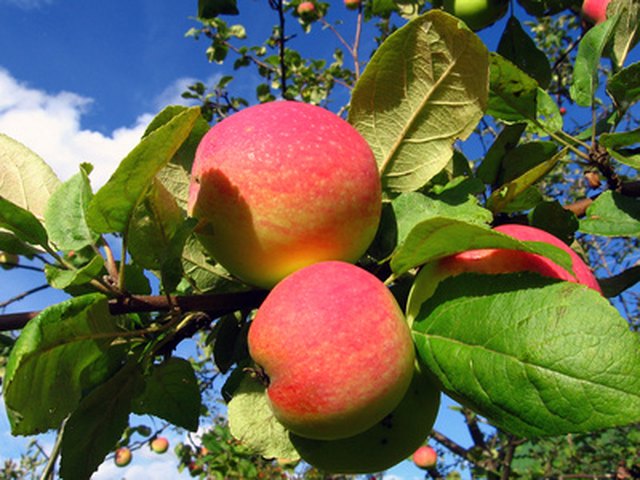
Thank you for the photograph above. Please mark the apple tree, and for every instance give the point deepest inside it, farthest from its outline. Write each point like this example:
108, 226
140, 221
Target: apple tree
466, 138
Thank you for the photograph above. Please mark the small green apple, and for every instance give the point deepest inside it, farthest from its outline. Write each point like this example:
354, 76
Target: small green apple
425, 457
384, 445
160, 444
335, 349
477, 14
122, 457
282, 185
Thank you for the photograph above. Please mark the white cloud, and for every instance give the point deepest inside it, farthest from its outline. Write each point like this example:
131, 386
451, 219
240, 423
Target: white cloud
50, 125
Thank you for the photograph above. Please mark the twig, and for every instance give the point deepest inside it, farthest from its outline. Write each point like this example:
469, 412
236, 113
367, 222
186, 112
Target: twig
23, 295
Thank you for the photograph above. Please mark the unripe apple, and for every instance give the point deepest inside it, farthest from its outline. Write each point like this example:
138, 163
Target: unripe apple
122, 457
335, 348
390, 441
595, 10
495, 261
282, 185
352, 4
160, 444
425, 457
477, 14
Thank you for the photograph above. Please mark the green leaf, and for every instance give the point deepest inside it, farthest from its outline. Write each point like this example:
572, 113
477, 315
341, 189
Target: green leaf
154, 223
227, 334
627, 31
616, 143
502, 197
585, 71
62, 278
111, 208
22, 222
440, 237
213, 8
24, 178
9, 243
614, 215
95, 427
614, 286
508, 139
539, 8
624, 86
65, 215
251, 421
526, 156
534, 356
517, 46
425, 87
555, 219
171, 392
60, 354
515, 97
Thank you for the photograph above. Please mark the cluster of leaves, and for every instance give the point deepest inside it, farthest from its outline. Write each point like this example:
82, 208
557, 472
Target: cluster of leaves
546, 358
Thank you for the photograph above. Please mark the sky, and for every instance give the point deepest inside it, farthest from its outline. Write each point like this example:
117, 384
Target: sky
79, 82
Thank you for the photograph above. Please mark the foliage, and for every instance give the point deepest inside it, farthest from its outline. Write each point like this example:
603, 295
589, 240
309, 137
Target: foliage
553, 368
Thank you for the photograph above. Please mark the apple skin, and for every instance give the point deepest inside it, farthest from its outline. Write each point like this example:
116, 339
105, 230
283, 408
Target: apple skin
160, 444
477, 14
352, 4
282, 185
425, 457
306, 8
495, 261
385, 444
122, 457
336, 350
595, 10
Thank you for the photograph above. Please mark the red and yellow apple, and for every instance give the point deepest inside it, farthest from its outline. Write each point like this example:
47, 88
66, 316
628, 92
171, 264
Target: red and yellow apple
495, 261
352, 4
477, 14
122, 457
425, 457
335, 349
280, 186
160, 444
306, 8
595, 10
387, 443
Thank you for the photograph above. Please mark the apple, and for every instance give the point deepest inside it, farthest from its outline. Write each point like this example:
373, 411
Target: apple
282, 185
122, 457
306, 8
194, 469
425, 457
335, 349
495, 261
477, 14
385, 444
595, 10
352, 4
160, 444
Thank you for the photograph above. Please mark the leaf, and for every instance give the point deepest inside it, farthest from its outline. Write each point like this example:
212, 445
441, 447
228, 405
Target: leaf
626, 34
25, 179
228, 331
624, 86
518, 47
213, 8
154, 223
22, 222
525, 157
95, 427
615, 285
553, 218
9, 243
60, 354
614, 215
425, 87
503, 196
171, 392
616, 143
539, 8
61, 278
111, 208
440, 237
534, 356
585, 71
251, 421
508, 139
515, 97
65, 215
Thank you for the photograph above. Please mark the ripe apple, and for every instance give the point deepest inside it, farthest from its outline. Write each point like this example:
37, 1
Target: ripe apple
282, 185
335, 348
477, 14
385, 444
160, 444
425, 457
306, 8
122, 457
494, 261
595, 10
352, 4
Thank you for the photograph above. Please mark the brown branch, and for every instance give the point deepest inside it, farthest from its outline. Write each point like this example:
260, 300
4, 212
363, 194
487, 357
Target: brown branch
214, 305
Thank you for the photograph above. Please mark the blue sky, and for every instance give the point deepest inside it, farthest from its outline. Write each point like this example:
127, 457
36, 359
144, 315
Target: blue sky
79, 81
